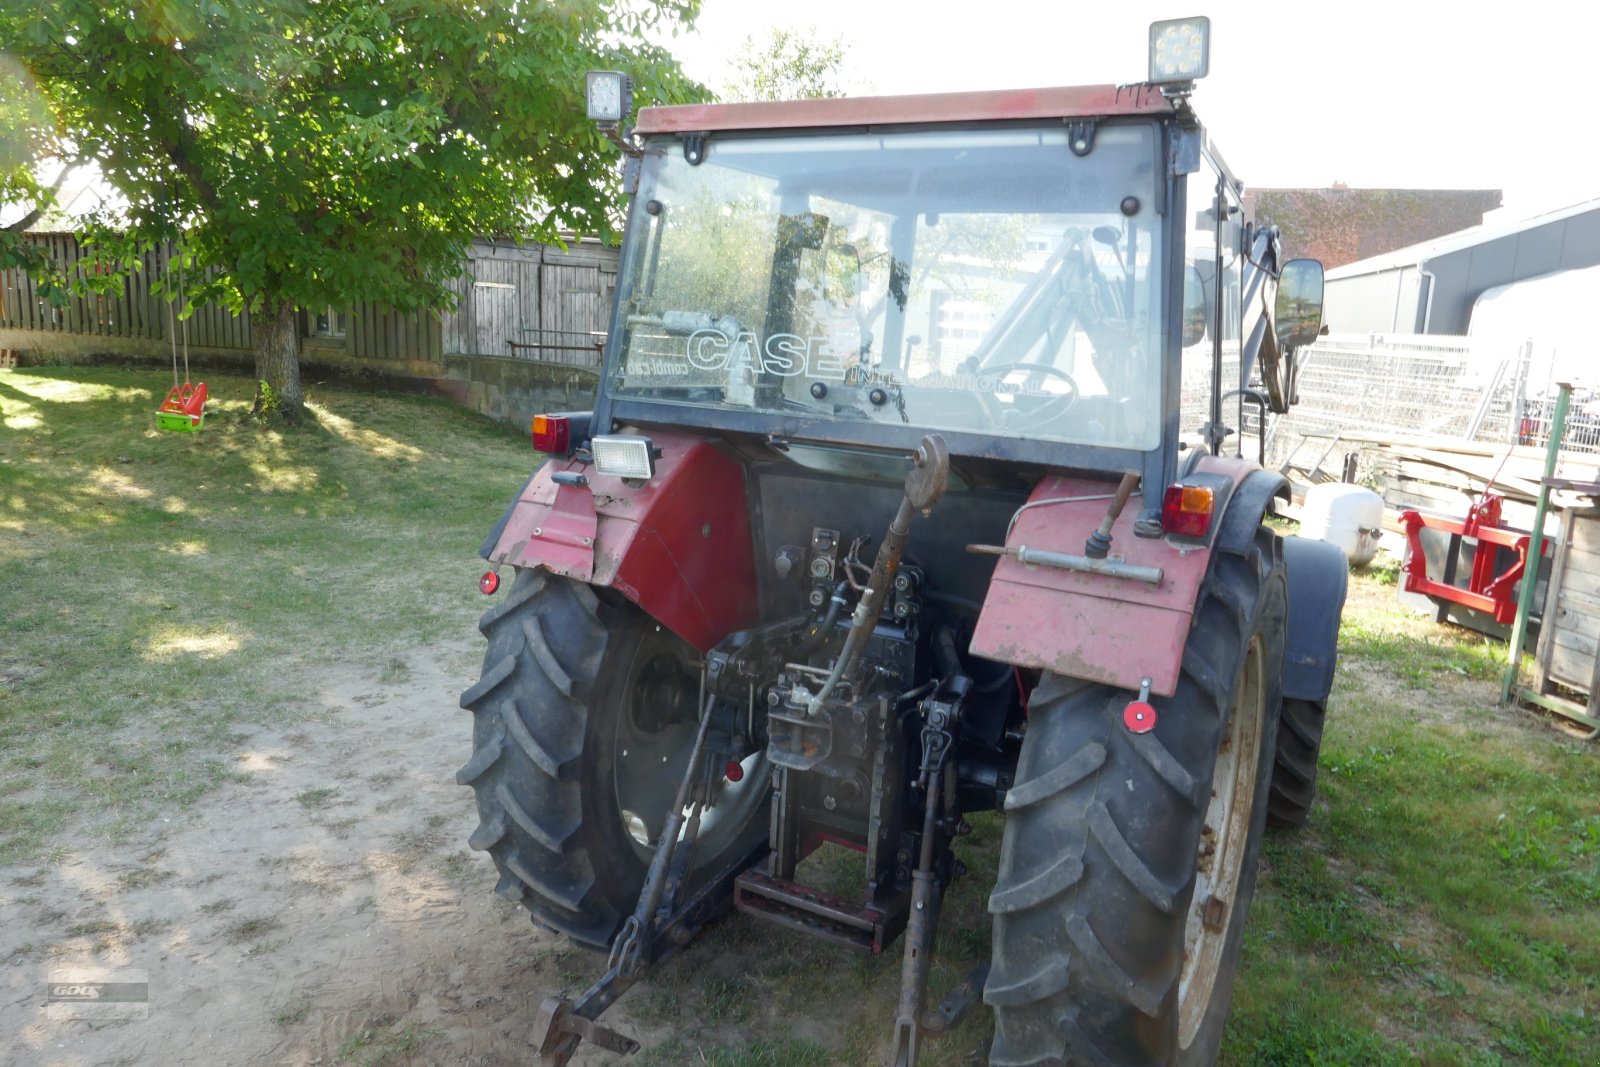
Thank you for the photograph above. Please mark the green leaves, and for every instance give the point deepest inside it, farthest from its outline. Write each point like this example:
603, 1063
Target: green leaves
789, 64
347, 150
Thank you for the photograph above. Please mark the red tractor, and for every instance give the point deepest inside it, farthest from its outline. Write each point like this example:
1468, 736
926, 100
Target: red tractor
905, 496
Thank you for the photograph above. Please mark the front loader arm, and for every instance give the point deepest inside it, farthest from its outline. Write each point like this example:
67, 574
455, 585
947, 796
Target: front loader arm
1262, 261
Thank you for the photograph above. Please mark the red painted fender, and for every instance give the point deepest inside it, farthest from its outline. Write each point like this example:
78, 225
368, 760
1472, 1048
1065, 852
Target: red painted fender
1116, 631
678, 545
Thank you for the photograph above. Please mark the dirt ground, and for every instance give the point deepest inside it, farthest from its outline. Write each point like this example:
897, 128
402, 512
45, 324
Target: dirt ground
324, 910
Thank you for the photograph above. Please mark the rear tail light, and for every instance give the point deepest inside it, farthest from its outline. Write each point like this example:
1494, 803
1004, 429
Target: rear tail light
488, 583
552, 434
1186, 510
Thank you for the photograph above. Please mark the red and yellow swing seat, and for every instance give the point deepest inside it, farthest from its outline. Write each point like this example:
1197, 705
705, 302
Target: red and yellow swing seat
184, 409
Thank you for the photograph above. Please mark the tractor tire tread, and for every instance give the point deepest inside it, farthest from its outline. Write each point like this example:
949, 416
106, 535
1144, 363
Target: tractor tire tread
1139, 875
1050, 882
1165, 764
554, 840
549, 762
1048, 980
1066, 987
489, 831
522, 591
1065, 776
1294, 771
1146, 996
546, 639
492, 679
486, 756
533, 632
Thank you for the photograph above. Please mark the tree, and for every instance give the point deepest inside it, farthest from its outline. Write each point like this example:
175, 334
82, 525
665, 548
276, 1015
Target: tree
30, 148
322, 154
788, 64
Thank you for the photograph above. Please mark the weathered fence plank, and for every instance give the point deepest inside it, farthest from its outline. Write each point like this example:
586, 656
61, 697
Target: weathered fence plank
550, 298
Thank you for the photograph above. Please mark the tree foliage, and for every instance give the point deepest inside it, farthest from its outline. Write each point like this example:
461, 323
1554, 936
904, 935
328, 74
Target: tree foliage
1340, 225
788, 64
30, 148
332, 152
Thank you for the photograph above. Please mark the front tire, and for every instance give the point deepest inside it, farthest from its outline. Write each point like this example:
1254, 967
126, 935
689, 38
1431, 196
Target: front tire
1129, 860
1294, 776
584, 718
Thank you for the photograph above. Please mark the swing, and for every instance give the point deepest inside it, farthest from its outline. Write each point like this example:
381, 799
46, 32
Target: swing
184, 409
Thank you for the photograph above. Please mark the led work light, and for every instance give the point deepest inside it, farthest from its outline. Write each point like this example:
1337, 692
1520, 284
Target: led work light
607, 95
623, 456
1180, 50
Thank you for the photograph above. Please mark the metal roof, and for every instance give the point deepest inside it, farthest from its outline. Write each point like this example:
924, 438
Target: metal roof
1001, 104
1412, 255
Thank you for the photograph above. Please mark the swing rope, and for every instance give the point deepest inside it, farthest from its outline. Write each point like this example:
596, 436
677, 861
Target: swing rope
172, 321
172, 335
183, 296
184, 407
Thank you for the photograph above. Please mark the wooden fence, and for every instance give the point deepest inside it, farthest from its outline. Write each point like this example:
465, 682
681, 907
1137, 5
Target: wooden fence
533, 302
132, 310
518, 301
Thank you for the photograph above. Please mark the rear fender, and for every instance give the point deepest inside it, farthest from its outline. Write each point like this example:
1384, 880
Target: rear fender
1318, 577
677, 545
1116, 631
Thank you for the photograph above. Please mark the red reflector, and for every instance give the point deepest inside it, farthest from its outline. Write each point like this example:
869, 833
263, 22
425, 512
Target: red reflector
1139, 717
734, 771
552, 434
488, 583
1186, 510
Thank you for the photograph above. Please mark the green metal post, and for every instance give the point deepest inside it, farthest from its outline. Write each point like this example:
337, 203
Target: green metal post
1530, 574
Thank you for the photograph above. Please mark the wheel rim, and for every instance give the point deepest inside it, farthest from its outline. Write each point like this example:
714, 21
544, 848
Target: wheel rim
654, 736
1224, 839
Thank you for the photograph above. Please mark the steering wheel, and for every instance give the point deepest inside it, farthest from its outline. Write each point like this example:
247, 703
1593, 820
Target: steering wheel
1047, 411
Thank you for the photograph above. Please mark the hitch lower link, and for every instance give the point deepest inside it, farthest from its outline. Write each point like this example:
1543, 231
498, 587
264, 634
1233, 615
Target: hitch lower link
657, 928
940, 717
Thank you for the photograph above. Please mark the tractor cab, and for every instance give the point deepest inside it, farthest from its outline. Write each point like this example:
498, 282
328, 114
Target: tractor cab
1058, 276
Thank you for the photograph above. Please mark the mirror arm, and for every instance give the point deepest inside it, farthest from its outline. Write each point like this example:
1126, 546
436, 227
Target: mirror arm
1270, 257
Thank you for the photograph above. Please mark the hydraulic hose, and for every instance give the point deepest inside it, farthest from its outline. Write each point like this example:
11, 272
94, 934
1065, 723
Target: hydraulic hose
820, 633
945, 657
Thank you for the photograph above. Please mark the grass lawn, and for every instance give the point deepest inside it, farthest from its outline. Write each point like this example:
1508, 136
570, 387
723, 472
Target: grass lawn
159, 592
1443, 906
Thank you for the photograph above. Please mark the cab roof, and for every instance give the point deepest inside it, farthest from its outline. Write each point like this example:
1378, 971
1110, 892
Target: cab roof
1067, 102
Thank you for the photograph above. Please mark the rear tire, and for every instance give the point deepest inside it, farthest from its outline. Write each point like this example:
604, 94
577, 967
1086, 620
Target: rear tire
583, 720
1104, 951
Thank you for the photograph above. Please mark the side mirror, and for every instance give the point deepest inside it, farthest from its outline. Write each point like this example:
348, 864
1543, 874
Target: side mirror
1194, 307
1297, 314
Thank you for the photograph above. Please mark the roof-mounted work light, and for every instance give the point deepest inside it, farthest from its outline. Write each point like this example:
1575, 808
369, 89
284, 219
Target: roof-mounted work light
607, 96
1180, 51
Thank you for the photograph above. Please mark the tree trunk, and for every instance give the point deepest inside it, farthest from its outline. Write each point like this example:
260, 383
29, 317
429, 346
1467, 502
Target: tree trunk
277, 338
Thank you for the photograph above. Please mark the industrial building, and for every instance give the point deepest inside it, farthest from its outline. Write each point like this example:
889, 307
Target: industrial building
1433, 287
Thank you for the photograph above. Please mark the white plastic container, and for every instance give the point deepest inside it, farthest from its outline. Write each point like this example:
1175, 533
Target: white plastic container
1349, 516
